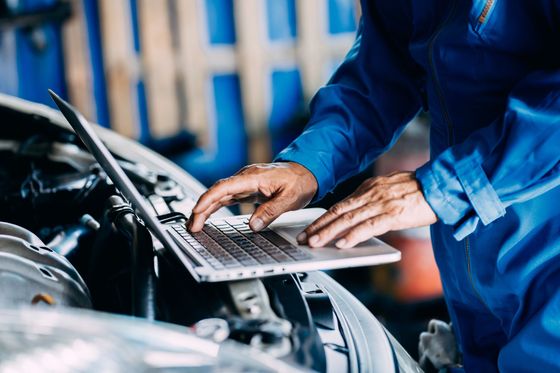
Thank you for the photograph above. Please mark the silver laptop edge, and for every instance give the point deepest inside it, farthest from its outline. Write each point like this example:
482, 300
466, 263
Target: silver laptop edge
373, 252
109, 164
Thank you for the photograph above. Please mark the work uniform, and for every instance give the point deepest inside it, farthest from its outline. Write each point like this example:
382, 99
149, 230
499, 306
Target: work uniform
488, 71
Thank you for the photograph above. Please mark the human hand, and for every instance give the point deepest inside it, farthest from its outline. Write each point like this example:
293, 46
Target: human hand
280, 187
379, 205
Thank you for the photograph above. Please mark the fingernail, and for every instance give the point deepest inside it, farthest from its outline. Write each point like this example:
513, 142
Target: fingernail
341, 244
302, 237
313, 240
257, 224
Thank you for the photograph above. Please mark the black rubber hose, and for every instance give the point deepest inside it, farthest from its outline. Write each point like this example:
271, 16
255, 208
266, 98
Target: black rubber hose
143, 278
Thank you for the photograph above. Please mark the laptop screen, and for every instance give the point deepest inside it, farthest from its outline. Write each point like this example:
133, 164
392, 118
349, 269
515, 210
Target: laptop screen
110, 165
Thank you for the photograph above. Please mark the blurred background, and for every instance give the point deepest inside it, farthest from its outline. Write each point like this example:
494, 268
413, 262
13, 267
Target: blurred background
214, 85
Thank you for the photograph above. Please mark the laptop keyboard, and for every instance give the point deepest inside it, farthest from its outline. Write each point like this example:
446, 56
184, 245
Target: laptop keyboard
226, 245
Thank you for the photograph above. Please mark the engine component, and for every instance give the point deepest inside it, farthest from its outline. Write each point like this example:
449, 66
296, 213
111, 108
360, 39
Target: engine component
52, 177
143, 280
127, 283
252, 302
214, 329
32, 273
67, 341
54, 192
67, 242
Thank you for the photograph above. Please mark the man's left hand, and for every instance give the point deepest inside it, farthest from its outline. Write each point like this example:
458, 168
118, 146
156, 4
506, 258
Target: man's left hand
379, 205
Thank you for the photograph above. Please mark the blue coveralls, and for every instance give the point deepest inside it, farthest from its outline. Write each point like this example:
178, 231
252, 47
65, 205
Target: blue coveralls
489, 73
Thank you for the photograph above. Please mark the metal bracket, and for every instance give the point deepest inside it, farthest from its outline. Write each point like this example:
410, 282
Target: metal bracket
252, 302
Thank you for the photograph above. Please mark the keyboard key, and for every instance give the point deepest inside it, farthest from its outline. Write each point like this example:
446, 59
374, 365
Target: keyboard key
248, 262
266, 260
274, 238
298, 254
232, 246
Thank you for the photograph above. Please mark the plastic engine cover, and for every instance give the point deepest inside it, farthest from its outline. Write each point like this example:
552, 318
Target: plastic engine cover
32, 274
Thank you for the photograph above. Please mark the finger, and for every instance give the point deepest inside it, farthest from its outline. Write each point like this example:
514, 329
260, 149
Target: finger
343, 223
364, 231
397, 176
238, 198
334, 212
250, 198
226, 187
268, 212
196, 221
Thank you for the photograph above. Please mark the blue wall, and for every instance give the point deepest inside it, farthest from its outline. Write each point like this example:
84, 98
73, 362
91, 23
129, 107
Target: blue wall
32, 60
288, 107
27, 71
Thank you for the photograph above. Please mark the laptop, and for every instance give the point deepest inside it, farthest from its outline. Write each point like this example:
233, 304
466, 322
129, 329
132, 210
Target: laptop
227, 249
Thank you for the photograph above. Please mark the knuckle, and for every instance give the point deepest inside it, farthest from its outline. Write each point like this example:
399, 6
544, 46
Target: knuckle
371, 223
203, 196
360, 198
349, 217
412, 197
393, 207
221, 182
245, 169
309, 231
257, 168
311, 227
380, 180
389, 206
376, 195
388, 193
337, 209
269, 209
316, 224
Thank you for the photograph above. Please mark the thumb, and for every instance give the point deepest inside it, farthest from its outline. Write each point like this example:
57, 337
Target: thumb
267, 212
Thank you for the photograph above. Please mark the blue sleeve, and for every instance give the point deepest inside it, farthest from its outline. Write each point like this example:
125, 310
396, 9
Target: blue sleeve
364, 107
512, 160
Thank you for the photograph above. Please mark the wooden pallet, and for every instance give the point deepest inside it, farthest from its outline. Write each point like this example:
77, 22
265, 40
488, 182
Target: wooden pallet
175, 62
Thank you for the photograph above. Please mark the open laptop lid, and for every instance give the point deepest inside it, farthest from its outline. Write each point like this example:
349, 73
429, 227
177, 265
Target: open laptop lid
110, 165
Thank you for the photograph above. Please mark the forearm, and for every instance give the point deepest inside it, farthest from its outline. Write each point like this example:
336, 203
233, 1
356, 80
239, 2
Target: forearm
364, 107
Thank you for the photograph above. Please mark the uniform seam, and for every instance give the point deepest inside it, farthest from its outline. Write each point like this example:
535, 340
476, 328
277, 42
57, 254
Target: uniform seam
444, 195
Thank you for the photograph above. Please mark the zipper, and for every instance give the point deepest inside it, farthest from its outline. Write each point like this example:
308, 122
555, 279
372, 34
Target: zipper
484, 15
438, 90
469, 272
449, 123
482, 18
485, 11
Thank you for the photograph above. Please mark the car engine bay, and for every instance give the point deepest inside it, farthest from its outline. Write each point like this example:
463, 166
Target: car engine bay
69, 240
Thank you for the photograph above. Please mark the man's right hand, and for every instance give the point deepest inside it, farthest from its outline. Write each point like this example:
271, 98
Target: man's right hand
279, 187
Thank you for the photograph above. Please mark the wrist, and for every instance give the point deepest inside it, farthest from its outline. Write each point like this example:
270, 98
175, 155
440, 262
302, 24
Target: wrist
307, 178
